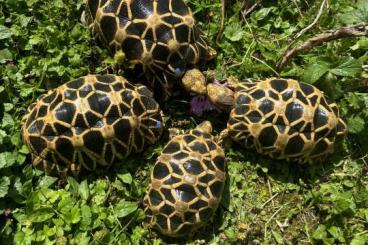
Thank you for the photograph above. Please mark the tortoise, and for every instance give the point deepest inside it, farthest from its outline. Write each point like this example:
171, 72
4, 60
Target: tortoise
90, 122
187, 182
160, 36
281, 118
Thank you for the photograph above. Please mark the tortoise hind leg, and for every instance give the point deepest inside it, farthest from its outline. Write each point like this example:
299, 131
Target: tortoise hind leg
224, 139
40, 163
341, 130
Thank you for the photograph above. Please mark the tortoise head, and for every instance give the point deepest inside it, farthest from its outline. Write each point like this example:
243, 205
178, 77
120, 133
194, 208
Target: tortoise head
194, 81
221, 96
205, 127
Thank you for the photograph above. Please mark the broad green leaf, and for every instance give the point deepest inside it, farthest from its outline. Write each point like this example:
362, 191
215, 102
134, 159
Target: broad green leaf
156, 242
5, 55
125, 178
124, 208
30, 3
8, 107
84, 190
24, 20
337, 233
358, 13
73, 186
234, 32
348, 183
356, 125
86, 216
359, 240
277, 236
81, 239
7, 159
21, 238
75, 215
47, 181
99, 192
5, 32
137, 235
355, 100
261, 14
320, 233
41, 215
350, 68
343, 204
360, 44
35, 40
3, 135
7, 120
4, 186
24, 149
315, 71
3, 156
230, 233
49, 231
39, 236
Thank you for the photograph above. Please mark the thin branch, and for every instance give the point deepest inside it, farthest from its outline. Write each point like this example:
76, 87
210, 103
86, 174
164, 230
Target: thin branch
269, 200
311, 25
343, 32
270, 190
222, 25
270, 219
246, 11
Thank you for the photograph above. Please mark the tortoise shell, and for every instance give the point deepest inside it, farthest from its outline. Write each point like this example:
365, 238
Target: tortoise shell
186, 184
90, 121
158, 35
285, 119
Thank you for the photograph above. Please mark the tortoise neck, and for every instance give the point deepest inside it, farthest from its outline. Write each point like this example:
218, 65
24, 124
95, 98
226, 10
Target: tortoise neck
221, 96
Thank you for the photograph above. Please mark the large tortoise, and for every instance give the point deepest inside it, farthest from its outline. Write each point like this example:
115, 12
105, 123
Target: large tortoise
90, 121
159, 35
281, 118
186, 183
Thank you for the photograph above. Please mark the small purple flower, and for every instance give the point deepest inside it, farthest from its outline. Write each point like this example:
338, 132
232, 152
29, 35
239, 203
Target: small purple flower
200, 104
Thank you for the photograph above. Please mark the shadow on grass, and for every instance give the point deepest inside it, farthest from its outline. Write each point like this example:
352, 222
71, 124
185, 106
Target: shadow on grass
290, 172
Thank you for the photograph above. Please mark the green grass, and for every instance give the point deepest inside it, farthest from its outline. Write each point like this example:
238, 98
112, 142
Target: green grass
44, 43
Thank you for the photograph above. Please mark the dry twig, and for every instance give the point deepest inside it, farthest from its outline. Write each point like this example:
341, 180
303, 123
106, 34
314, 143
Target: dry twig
343, 32
320, 11
310, 26
222, 25
246, 11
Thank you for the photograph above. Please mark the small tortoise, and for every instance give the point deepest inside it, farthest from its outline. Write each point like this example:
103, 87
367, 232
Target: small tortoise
159, 35
281, 118
90, 121
186, 183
